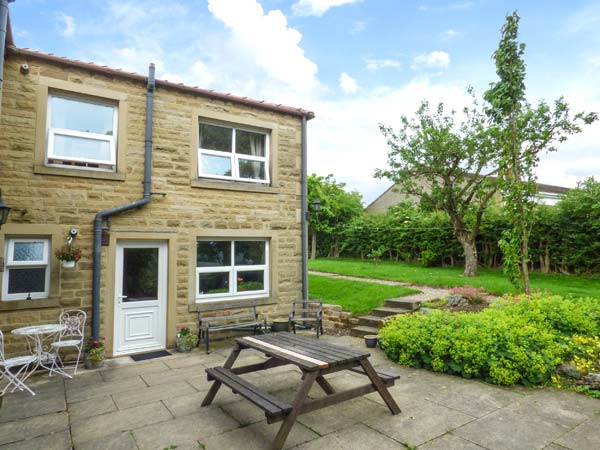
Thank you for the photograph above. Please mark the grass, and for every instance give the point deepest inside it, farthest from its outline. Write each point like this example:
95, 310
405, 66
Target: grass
492, 280
358, 297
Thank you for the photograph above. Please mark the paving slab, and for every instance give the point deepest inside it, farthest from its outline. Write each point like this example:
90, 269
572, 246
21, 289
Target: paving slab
85, 430
185, 432
583, 437
55, 441
418, 422
49, 398
132, 370
258, 436
32, 427
450, 442
116, 441
90, 408
174, 375
337, 417
358, 437
102, 389
190, 404
151, 394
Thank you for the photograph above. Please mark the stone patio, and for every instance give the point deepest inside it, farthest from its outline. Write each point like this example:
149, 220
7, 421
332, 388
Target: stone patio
156, 405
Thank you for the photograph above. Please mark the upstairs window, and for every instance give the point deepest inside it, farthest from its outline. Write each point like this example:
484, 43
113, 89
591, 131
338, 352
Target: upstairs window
27, 271
232, 269
229, 153
81, 133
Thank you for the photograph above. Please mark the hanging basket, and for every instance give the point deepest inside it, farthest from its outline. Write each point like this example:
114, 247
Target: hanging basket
68, 264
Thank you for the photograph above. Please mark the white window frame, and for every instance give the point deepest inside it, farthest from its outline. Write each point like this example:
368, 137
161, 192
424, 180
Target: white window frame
233, 271
235, 157
111, 139
12, 264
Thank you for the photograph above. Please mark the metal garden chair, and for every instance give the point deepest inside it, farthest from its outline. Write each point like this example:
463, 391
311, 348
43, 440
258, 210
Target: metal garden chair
16, 370
70, 337
307, 314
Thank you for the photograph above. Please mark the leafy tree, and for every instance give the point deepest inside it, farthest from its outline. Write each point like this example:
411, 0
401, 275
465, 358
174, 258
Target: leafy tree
448, 165
523, 132
337, 209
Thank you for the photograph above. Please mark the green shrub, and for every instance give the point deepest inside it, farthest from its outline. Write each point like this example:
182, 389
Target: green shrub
511, 342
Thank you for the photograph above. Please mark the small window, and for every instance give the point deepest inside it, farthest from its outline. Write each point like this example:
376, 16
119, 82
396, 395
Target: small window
233, 154
81, 133
27, 271
231, 269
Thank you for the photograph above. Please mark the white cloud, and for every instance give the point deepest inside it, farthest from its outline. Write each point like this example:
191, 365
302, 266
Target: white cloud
268, 41
67, 25
461, 5
435, 59
359, 26
348, 84
450, 34
378, 64
317, 7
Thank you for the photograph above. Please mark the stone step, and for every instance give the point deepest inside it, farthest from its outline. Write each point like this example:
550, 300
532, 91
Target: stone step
362, 330
403, 303
370, 321
386, 311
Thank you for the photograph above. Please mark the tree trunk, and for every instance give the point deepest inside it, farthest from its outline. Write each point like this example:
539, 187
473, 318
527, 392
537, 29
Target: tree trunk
525, 264
313, 246
470, 250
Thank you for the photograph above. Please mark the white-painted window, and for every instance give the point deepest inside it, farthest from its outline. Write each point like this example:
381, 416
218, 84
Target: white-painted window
81, 133
229, 153
27, 269
227, 269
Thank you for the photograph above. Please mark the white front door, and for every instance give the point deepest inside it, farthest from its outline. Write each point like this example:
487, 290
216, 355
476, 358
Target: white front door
140, 297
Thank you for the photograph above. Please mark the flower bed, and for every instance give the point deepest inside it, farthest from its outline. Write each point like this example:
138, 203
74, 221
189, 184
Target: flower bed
521, 341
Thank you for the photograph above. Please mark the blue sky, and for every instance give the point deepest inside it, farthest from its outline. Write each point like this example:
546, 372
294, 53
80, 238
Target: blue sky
355, 63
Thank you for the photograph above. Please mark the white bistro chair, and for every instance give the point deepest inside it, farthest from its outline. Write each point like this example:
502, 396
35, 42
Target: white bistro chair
71, 336
15, 370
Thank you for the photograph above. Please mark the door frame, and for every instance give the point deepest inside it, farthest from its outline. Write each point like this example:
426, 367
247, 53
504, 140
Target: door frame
109, 276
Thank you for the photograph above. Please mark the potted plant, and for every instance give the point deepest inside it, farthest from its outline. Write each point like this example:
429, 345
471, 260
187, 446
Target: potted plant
68, 255
186, 340
93, 356
371, 340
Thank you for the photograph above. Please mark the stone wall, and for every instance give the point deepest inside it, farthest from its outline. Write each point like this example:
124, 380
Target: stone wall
335, 317
69, 198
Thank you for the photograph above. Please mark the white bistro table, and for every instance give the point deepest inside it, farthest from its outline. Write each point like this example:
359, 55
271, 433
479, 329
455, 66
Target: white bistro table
40, 338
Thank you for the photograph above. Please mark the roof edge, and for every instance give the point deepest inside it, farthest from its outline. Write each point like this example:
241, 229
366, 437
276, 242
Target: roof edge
259, 104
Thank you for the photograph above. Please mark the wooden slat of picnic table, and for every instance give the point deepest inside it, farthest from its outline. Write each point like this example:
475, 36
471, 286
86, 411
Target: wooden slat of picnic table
280, 353
324, 345
311, 348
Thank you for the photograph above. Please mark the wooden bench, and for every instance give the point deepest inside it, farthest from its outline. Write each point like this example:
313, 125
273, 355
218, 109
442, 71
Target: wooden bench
274, 408
245, 320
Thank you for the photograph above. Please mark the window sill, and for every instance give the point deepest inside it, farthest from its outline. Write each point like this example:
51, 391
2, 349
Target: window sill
17, 305
206, 304
80, 173
234, 186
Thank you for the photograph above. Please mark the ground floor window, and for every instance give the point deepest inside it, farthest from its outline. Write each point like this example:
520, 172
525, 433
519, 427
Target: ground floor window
232, 268
27, 269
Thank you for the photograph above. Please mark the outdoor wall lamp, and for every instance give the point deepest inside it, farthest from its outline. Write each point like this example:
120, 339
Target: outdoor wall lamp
4, 210
316, 205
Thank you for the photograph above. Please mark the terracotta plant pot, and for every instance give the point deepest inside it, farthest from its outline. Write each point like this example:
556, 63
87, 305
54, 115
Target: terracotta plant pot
371, 340
280, 325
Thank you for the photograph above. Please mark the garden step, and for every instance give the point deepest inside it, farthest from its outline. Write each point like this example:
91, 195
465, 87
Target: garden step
362, 330
386, 311
404, 303
370, 321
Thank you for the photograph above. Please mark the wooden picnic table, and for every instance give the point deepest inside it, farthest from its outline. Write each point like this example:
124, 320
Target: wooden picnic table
316, 359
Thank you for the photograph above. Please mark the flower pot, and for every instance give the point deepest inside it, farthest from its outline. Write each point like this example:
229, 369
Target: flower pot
185, 344
68, 264
280, 325
92, 363
371, 340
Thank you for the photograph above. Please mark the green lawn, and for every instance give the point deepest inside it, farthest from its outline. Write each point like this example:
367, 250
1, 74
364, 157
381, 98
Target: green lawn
358, 297
492, 280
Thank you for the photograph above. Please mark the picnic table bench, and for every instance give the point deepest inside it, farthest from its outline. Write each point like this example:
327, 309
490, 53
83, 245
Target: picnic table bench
315, 359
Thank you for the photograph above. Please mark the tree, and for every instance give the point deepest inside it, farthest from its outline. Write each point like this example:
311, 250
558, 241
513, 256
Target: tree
337, 208
523, 132
448, 166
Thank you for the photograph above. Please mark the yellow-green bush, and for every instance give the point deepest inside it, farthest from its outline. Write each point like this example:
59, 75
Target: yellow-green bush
511, 342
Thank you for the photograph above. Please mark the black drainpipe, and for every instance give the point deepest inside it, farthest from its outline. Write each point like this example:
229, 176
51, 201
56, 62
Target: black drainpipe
3, 31
304, 213
97, 255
